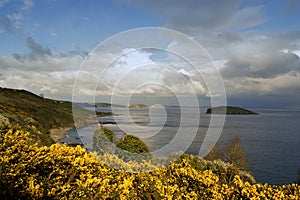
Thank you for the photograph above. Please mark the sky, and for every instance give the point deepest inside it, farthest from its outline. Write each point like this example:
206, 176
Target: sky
254, 44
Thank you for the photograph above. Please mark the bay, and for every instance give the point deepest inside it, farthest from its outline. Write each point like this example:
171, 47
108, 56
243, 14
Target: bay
271, 140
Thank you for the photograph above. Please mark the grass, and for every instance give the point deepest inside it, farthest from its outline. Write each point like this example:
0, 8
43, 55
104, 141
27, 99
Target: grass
36, 114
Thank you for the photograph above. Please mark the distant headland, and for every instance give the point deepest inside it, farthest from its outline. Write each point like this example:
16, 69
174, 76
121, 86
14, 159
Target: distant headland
230, 110
108, 105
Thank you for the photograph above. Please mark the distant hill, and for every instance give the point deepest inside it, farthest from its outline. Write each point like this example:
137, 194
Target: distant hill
137, 106
230, 110
108, 105
35, 114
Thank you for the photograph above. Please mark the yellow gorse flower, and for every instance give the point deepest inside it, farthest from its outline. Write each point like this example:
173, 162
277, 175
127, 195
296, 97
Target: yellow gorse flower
62, 172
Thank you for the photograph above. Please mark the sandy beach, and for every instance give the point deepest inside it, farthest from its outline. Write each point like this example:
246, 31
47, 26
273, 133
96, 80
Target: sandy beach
57, 134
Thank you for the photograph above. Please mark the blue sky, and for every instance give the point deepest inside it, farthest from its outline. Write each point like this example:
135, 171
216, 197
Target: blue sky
66, 25
256, 44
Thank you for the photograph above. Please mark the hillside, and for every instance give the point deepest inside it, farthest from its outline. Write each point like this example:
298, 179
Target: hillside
29, 171
230, 110
62, 172
35, 114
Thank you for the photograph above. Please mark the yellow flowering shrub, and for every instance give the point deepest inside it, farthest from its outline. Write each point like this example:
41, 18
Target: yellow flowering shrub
60, 172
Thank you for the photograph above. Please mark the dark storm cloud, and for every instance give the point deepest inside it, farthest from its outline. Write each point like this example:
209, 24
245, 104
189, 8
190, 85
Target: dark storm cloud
275, 100
265, 66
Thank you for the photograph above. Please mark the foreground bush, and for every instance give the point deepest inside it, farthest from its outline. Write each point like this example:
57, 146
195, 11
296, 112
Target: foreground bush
127, 148
61, 172
132, 144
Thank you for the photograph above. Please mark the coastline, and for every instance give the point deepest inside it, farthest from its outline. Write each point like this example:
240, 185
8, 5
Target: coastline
58, 134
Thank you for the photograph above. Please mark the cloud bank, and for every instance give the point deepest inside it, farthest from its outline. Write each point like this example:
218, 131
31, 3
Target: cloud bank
256, 65
259, 68
42, 70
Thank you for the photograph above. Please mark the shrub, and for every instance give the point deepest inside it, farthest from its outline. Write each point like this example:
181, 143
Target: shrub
231, 153
132, 148
132, 144
62, 172
108, 133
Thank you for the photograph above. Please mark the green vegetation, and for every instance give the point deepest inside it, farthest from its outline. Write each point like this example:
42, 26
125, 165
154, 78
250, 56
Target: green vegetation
29, 170
230, 153
108, 133
108, 105
102, 141
224, 170
132, 144
230, 110
60, 172
35, 114
137, 106
103, 114
127, 148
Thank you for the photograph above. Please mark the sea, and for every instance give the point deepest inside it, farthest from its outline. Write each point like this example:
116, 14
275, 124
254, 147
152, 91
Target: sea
271, 139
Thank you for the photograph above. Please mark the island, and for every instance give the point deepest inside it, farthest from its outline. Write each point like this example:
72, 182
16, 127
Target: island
230, 110
137, 106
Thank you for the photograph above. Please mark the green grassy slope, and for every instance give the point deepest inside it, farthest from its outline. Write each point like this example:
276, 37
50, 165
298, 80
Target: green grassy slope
35, 114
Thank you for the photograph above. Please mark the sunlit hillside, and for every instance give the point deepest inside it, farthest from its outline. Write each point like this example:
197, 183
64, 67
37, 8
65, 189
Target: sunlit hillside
61, 172
34, 113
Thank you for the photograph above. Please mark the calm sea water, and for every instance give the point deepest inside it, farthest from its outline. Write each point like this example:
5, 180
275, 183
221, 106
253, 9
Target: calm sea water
271, 140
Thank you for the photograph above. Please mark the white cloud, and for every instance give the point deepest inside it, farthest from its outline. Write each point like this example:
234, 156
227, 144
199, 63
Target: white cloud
28, 4
269, 65
12, 22
136, 72
16, 16
54, 78
41, 71
284, 84
184, 72
297, 52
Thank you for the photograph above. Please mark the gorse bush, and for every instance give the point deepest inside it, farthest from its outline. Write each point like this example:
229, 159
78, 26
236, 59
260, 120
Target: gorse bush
132, 148
132, 144
108, 133
127, 148
61, 172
